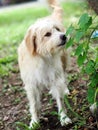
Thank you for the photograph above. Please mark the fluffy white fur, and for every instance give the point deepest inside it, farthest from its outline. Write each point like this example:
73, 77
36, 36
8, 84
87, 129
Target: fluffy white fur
42, 62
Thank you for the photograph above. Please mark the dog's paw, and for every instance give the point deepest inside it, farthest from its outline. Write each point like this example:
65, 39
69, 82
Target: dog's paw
93, 108
34, 124
65, 121
67, 91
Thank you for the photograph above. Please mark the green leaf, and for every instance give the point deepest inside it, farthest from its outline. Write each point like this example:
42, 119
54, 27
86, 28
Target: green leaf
88, 24
94, 80
91, 94
69, 30
79, 50
83, 20
90, 67
81, 59
79, 35
69, 43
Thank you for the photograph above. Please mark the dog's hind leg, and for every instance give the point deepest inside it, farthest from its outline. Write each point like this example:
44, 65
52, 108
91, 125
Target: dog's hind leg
33, 95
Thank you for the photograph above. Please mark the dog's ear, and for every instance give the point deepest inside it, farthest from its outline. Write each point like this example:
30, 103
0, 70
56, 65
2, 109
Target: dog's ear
30, 40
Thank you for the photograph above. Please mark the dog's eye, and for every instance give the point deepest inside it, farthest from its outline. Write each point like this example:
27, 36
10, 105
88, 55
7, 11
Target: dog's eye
57, 29
48, 34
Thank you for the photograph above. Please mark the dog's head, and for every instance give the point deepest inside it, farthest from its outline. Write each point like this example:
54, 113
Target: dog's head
45, 37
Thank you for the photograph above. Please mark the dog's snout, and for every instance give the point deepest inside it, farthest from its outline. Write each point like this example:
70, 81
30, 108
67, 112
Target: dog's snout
63, 37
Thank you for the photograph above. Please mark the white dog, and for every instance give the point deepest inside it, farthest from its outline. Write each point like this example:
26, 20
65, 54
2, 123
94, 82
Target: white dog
42, 61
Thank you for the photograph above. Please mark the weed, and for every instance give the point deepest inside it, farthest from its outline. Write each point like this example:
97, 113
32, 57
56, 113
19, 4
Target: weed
22, 126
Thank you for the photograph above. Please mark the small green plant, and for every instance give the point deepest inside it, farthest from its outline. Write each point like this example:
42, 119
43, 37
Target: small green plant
6, 65
85, 42
35, 126
22, 126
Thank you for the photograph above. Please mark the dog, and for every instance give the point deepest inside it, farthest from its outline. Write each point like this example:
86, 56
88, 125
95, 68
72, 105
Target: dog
43, 62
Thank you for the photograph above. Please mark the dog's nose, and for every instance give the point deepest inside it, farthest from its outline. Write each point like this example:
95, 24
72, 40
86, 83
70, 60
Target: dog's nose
63, 37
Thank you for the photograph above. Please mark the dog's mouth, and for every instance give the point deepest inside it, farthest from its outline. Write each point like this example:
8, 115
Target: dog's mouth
62, 43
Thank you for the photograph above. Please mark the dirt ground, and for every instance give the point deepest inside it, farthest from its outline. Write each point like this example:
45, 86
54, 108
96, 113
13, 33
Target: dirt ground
14, 104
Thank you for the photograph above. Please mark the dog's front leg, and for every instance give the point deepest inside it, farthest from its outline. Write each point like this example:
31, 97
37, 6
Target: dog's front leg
33, 95
64, 119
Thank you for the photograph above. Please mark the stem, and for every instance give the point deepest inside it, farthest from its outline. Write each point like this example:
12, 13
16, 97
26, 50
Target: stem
70, 108
96, 95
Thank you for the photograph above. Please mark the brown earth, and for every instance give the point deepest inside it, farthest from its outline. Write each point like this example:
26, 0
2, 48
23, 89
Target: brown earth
14, 104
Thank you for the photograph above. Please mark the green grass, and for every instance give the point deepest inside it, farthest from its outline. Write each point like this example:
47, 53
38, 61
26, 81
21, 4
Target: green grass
13, 26
35, 126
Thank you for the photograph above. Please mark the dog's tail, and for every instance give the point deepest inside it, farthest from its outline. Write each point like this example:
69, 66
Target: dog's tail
57, 10
53, 2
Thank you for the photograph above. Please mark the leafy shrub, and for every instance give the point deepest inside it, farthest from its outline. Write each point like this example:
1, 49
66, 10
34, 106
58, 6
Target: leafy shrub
84, 37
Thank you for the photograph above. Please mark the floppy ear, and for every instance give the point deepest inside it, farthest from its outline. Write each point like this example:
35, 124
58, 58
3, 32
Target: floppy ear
30, 42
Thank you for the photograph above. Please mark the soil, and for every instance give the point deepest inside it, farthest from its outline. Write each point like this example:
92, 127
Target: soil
14, 104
